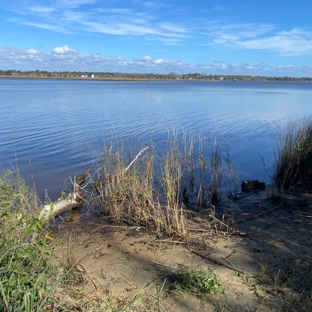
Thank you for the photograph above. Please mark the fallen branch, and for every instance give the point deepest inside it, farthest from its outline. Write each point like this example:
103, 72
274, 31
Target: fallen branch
72, 200
61, 205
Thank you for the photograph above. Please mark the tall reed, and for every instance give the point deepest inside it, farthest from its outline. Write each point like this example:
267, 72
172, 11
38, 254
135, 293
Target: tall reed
171, 178
147, 185
293, 158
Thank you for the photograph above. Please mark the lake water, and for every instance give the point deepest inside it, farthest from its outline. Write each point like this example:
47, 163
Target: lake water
60, 126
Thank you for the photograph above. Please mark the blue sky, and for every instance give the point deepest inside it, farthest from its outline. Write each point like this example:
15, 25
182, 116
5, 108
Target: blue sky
236, 37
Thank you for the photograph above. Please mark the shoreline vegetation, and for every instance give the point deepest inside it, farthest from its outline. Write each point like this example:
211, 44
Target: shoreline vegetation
170, 231
115, 76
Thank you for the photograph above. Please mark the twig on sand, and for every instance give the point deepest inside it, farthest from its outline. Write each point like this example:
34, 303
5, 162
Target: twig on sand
165, 265
99, 248
231, 267
170, 241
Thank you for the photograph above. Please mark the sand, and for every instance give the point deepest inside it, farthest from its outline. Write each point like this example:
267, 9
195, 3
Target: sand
263, 259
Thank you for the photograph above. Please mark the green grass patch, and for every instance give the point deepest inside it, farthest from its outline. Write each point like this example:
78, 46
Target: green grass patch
196, 282
27, 271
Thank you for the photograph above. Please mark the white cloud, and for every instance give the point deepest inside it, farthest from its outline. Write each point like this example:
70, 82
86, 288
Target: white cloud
64, 50
295, 70
63, 58
286, 67
158, 61
218, 67
146, 58
32, 51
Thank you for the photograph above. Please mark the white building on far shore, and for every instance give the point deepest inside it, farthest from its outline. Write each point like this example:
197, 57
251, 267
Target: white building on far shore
87, 76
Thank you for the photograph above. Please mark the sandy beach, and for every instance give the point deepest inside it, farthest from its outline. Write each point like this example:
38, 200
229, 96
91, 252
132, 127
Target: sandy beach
261, 252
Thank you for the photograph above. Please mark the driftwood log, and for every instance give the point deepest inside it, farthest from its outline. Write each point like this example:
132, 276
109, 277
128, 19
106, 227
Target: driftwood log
71, 201
74, 200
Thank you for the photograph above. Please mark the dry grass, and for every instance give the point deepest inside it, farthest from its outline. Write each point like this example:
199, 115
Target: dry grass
151, 187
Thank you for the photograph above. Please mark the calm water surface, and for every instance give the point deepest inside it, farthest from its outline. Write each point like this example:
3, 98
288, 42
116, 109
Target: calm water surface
60, 126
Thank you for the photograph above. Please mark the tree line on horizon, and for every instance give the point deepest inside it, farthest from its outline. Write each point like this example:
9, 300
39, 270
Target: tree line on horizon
145, 76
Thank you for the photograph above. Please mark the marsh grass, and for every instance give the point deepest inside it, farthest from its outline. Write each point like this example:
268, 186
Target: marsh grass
293, 157
152, 185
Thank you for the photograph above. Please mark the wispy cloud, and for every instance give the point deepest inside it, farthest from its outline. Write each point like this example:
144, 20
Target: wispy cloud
69, 16
227, 33
173, 28
74, 3
160, 22
261, 36
289, 43
56, 27
41, 9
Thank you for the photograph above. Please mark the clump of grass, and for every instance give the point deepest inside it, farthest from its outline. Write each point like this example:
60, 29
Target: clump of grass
26, 267
197, 282
147, 186
293, 161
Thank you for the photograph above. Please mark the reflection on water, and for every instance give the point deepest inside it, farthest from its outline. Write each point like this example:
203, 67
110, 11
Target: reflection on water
61, 126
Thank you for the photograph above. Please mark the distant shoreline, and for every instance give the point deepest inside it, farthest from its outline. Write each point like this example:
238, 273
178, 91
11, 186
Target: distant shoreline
148, 80
75, 78
109, 79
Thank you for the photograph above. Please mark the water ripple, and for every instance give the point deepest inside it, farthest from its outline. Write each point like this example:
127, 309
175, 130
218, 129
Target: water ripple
61, 125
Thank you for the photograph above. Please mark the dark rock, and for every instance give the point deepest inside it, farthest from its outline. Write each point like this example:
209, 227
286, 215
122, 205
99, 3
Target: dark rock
252, 185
